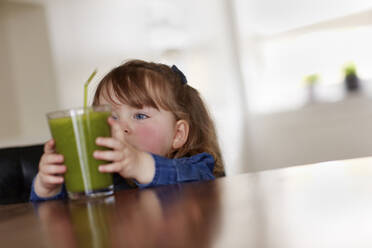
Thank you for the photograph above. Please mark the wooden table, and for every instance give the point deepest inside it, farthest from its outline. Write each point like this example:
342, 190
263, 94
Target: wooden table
319, 205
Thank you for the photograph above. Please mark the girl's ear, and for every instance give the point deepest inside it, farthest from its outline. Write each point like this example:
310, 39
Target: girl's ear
181, 134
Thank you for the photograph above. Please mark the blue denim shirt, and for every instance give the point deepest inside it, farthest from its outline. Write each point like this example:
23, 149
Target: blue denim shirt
167, 171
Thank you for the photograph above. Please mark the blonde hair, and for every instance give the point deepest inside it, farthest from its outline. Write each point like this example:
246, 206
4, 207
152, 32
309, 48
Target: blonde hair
139, 83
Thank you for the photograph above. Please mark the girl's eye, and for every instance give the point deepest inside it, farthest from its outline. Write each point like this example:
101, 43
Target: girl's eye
140, 116
115, 117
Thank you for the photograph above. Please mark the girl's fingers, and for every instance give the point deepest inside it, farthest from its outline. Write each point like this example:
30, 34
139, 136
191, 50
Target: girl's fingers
109, 143
49, 179
110, 168
49, 147
108, 155
52, 159
54, 169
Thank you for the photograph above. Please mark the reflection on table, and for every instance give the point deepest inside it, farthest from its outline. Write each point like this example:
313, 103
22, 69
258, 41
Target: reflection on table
318, 205
160, 217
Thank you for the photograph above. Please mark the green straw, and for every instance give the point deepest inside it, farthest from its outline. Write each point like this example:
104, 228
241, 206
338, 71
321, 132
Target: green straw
86, 87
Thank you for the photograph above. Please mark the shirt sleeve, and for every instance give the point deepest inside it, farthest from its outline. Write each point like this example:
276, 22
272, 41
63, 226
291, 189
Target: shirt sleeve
35, 198
172, 171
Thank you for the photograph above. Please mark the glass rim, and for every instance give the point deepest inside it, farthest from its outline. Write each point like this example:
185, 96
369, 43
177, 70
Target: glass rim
77, 111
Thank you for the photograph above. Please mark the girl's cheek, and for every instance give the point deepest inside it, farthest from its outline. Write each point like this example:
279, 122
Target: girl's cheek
152, 139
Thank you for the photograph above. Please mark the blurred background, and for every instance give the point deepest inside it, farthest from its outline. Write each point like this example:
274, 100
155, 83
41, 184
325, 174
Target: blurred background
287, 82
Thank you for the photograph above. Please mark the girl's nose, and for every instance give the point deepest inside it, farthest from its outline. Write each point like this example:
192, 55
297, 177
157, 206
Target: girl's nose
125, 127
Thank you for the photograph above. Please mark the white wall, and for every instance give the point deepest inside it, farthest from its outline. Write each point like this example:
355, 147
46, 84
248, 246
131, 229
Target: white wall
26, 74
48, 48
72, 38
318, 132
283, 129
266, 17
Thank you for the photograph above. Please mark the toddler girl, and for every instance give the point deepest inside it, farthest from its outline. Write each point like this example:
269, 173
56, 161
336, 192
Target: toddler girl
161, 132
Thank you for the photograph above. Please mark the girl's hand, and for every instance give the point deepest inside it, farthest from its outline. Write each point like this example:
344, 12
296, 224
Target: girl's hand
126, 160
49, 179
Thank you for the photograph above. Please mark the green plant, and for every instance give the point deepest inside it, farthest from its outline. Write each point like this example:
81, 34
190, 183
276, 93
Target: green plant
311, 79
349, 69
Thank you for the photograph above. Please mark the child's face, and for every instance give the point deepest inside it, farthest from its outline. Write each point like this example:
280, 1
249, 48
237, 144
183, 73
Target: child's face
147, 129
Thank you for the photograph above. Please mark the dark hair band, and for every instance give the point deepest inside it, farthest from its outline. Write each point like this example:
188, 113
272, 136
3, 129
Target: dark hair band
180, 73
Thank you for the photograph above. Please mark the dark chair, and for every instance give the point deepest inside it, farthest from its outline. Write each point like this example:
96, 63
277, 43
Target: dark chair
19, 165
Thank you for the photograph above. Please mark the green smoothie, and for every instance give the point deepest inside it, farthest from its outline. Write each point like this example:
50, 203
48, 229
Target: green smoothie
75, 137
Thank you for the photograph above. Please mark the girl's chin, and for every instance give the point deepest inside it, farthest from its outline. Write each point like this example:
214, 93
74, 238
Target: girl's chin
154, 150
